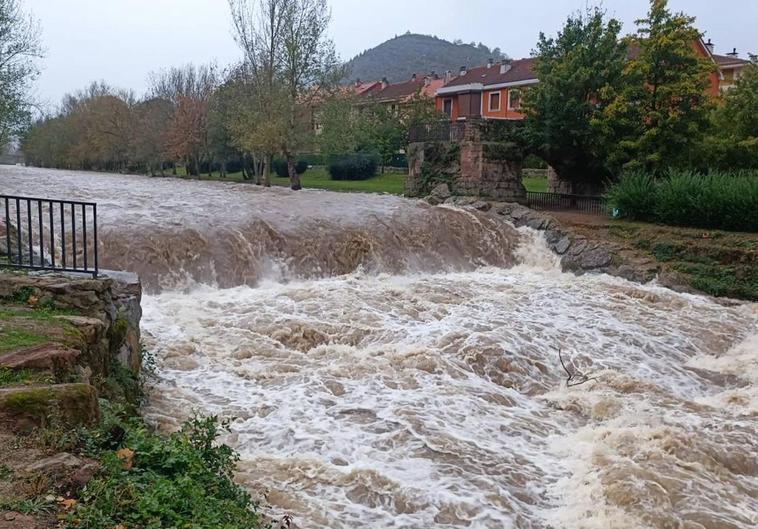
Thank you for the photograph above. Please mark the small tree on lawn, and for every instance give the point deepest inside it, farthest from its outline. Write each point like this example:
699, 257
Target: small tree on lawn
662, 109
580, 75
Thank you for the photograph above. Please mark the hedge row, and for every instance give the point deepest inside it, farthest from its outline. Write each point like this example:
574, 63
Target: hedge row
358, 166
280, 167
717, 200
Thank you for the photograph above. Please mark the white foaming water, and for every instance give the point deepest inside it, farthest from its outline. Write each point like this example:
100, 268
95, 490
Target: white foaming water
438, 400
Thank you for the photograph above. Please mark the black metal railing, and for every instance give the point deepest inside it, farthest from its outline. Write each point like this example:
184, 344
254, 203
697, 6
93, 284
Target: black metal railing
440, 131
595, 205
47, 234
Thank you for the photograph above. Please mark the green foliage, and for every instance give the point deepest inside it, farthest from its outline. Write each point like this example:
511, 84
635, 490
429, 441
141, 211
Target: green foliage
280, 167
580, 75
12, 377
661, 112
732, 141
634, 196
359, 166
441, 162
183, 480
32, 506
503, 152
726, 201
19, 46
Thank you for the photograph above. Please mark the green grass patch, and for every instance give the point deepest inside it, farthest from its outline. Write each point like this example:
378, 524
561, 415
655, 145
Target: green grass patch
391, 182
536, 185
16, 377
12, 339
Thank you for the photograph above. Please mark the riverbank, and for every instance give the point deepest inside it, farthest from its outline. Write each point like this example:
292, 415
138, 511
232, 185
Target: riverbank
711, 262
73, 449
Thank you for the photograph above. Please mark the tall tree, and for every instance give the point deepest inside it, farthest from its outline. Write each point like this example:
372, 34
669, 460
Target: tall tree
290, 64
580, 74
663, 107
19, 46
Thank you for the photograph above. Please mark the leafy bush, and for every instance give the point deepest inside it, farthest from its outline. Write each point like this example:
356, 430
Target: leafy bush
716, 200
184, 480
358, 166
634, 196
280, 167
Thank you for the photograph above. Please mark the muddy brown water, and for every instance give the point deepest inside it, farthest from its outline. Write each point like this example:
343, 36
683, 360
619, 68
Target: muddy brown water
395, 365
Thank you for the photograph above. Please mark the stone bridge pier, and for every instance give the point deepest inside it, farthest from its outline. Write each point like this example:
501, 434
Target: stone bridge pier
462, 156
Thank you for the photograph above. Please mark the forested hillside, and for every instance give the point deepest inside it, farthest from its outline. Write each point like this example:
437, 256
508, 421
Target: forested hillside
397, 59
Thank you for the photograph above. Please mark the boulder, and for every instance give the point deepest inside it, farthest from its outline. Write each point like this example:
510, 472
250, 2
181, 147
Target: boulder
562, 246
65, 470
23, 408
441, 192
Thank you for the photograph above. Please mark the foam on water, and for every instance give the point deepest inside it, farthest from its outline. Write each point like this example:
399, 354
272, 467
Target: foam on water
414, 401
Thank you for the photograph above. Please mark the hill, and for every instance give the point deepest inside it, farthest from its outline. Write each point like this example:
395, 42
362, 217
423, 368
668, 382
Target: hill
399, 58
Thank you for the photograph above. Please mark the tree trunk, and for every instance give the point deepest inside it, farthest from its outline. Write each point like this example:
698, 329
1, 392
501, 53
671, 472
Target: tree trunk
162, 173
267, 170
173, 170
256, 169
292, 171
195, 166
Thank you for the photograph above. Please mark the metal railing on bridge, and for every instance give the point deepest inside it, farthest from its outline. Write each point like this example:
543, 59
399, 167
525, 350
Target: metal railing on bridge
439, 131
595, 205
48, 234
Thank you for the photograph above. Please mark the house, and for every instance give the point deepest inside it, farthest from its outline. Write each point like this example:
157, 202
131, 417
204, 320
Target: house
495, 90
398, 94
730, 66
492, 91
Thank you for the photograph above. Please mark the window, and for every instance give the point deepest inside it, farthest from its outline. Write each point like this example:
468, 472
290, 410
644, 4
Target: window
494, 101
514, 99
447, 107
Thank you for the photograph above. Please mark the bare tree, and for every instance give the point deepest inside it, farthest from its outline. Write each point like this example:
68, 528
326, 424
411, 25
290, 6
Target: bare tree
290, 62
190, 90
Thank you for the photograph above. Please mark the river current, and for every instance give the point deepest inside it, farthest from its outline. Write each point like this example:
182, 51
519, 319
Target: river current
392, 364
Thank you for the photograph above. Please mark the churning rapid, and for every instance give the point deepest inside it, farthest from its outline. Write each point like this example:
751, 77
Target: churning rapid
396, 365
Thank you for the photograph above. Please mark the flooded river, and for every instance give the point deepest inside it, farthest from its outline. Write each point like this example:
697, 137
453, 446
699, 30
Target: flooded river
396, 365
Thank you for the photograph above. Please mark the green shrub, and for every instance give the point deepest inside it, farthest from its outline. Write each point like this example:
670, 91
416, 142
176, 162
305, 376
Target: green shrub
280, 167
358, 166
634, 196
183, 480
716, 200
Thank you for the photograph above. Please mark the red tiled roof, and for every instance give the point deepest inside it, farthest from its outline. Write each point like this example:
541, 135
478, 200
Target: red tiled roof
405, 90
521, 70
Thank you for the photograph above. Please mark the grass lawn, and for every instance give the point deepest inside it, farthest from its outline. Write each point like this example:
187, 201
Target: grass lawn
389, 182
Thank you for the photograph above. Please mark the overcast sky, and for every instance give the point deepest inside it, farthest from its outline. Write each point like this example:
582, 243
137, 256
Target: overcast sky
121, 41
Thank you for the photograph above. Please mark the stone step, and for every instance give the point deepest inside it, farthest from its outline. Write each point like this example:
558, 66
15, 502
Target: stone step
50, 356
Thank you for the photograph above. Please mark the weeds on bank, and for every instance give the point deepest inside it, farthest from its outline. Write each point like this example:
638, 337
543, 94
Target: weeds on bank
183, 480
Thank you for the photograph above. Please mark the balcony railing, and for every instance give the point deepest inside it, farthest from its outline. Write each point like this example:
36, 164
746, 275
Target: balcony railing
48, 234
